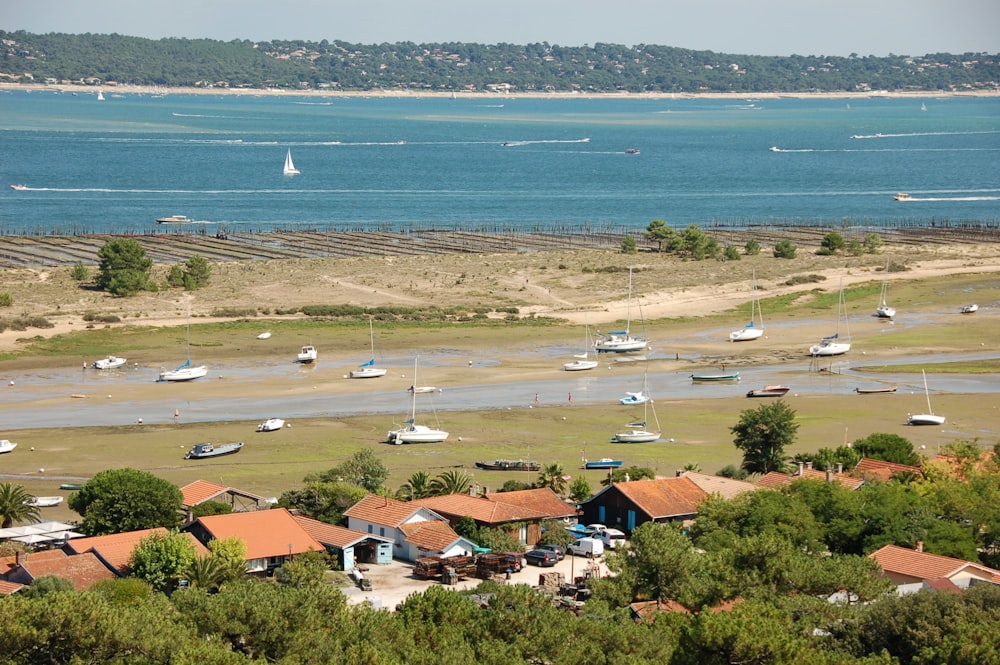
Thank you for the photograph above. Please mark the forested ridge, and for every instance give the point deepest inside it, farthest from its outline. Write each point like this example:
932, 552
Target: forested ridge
95, 59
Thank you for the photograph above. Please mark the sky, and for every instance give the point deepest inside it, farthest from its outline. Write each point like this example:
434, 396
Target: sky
751, 27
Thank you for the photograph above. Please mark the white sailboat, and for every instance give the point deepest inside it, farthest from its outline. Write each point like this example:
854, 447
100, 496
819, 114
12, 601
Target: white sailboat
289, 164
925, 418
411, 432
368, 370
637, 432
187, 371
636, 398
834, 345
100, 96
755, 328
884, 311
583, 360
622, 341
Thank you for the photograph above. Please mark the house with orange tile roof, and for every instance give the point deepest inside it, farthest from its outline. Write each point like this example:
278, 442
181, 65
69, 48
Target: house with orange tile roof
727, 488
350, 547
83, 570
776, 479
271, 536
520, 513
416, 531
7, 588
626, 505
913, 570
202, 491
878, 469
115, 549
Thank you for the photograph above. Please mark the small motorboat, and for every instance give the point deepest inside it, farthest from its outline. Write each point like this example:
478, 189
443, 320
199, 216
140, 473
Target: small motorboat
19, 187
45, 501
271, 425
110, 362
421, 390
970, 309
722, 376
875, 391
769, 391
7, 446
173, 219
307, 354
603, 463
206, 450
902, 196
264, 335
631, 151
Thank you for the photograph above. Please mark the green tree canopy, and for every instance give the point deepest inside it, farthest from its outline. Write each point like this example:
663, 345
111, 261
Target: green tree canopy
363, 469
162, 559
119, 500
763, 434
887, 447
123, 267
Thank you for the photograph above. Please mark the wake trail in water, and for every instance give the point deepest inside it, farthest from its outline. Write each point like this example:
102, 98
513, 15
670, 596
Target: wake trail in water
880, 135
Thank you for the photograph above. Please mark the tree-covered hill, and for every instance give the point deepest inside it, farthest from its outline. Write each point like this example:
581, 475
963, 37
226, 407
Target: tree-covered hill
91, 59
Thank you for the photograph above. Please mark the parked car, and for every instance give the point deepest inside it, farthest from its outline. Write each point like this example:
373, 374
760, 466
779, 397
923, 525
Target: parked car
588, 547
516, 560
558, 550
612, 538
542, 558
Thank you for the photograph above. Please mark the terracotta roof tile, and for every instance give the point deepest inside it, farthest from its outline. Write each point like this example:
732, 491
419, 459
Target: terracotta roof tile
776, 479
266, 533
7, 588
924, 565
724, 487
664, 497
83, 570
876, 468
116, 549
332, 534
382, 510
484, 511
201, 491
429, 536
542, 500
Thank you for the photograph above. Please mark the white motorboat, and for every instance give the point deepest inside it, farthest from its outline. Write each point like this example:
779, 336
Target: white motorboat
583, 360
173, 219
423, 390
884, 311
411, 432
925, 418
755, 328
622, 341
110, 362
368, 370
970, 309
834, 345
18, 187
271, 425
289, 164
307, 354
7, 446
45, 501
264, 335
902, 196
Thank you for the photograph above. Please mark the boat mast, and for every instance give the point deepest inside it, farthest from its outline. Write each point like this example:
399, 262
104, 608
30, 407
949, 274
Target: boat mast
927, 393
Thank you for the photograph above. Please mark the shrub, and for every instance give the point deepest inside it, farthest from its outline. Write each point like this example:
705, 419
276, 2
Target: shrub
833, 241
731, 253
873, 243
629, 245
855, 248
79, 272
804, 279
784, 249
752, 248
6, 300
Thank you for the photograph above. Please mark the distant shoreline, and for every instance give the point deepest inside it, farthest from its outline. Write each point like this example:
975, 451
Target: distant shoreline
479, 94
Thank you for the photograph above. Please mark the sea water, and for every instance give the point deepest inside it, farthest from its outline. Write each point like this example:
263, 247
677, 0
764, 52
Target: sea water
117, 165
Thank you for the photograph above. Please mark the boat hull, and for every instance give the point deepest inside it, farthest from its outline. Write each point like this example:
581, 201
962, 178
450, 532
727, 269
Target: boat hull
885, 312
924, 419
509, 465
208, 450
368, 373
184, 374
874, 391
746, 335
769, 391
709, 378
620, 345
603, 464
45, 501
636, 436
271, 425
111, 362
829, 349
416, 434
633, 398
580, 365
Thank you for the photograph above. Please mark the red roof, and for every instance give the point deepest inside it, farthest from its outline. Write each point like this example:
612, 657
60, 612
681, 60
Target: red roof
484, 511
331, 534
83, 570
429, 536
266, 533
900, 562
201, 491
542, 500
382, 510
116, 549
7, 588
663, 497
876, 468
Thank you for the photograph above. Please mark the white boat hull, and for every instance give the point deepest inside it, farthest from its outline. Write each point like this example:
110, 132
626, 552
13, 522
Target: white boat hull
633, 398
416, 434
7, 446
637, 436
45, 501
746, 334
307, 355
184, 373
885, 312
264, 335
579, 365
271, 425
829, 348
111, 362
925, 419
368, 373
620, 345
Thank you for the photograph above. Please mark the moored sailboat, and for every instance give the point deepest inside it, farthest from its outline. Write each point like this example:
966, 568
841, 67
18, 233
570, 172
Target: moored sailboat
834, 345
925, 418
187, 371
289, 164
411, 432
622, 341
884, 311
368, 370
755, 328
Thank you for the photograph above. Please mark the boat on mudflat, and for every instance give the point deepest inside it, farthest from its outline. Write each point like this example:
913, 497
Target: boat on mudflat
721, 376
271, 425
970, 309
603, 463
875, 391
109, 362
769, 391
206, 450
509, 465
45, 501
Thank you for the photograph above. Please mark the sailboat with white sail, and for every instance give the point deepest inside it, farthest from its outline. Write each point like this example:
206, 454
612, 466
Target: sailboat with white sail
187, 371
834, 345
583, 360
925, 418
368, 370
289, 164
884, 311
755, 328
411, 432
622, 341
638, 432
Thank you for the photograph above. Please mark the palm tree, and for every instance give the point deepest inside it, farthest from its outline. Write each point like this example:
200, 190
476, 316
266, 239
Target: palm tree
554, 477
451, 482
14, 506
417, 487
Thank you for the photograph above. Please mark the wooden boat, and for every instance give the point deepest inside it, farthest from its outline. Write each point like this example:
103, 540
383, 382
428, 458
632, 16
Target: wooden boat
875, 391
603, 463
769, 391
722, 376
271, 425
206, 450
509, 465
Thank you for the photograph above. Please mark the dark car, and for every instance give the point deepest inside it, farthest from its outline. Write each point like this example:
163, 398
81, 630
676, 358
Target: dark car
542, 558
558, 550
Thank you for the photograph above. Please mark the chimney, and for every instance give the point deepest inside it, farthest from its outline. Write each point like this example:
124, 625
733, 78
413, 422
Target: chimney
829, 475
802, 466
840, 467
920, 546
678, 473
809, 465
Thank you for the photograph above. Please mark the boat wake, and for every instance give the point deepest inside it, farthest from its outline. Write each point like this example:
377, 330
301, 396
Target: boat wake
512, 144
880, 135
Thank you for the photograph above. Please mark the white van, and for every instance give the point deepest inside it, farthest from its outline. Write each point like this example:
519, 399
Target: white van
588, 547
612, 538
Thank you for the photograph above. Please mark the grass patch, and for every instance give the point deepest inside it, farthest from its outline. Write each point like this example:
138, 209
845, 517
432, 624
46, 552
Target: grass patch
988, 366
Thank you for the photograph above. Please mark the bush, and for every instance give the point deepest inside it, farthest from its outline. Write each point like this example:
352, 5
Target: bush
784, 249
79, 272
6, 300
833, 242
804, 279
855, 248
731, 253
752, 248
629, 245
873, 243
